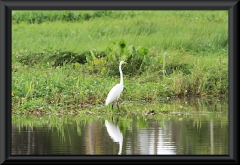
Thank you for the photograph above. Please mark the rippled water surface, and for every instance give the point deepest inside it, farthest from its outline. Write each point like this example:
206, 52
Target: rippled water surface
204, 132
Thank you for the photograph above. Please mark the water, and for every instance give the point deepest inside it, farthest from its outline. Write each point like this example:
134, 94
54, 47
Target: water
205, 132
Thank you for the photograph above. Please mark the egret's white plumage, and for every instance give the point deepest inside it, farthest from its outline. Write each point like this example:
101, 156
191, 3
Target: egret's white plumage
115, 92
115, 133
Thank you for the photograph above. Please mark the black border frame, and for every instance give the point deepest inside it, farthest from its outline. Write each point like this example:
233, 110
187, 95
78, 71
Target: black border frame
6, 6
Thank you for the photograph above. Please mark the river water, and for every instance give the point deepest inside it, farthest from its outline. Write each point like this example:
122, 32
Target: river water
202, 130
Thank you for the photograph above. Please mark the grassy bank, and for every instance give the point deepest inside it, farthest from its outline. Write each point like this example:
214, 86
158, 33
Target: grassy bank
68, 59
182, 108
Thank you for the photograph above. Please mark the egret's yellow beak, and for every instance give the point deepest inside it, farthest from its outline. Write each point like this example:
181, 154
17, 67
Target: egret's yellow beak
125, 63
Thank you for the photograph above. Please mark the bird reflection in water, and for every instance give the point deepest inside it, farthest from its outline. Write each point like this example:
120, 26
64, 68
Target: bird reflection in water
115, 133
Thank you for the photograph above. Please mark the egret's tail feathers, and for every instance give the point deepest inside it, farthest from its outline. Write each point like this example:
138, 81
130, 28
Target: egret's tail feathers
106, 103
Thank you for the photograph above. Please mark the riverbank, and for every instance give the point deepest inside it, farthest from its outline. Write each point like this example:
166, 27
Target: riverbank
63, 60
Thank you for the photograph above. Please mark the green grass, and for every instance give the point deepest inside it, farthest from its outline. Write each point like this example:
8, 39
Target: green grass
158, 31
67, 59
187, 107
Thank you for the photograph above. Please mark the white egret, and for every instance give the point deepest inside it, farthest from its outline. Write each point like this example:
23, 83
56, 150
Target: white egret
115, 133
115, 92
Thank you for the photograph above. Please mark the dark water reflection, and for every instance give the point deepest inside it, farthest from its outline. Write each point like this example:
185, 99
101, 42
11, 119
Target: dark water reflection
202, 133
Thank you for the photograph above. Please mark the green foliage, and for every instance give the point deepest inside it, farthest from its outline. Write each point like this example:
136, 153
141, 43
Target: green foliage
38, 17
57, 58
71, 58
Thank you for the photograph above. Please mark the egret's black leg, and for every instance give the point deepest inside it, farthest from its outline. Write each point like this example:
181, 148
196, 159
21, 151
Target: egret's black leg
112, 105
117, 121
117, 105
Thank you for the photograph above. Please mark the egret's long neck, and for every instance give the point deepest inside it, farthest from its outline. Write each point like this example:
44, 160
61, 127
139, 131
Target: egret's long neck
120, 148
121, 74
120, 145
